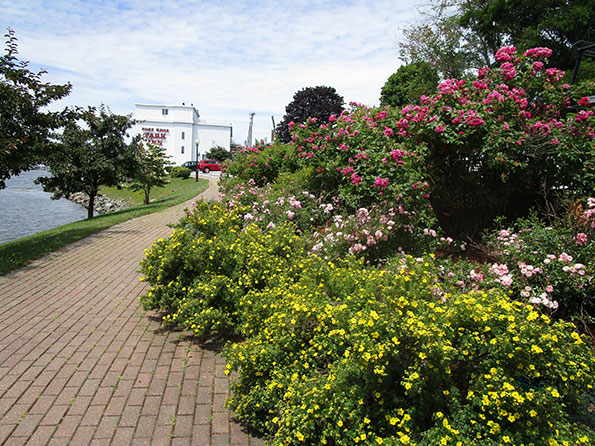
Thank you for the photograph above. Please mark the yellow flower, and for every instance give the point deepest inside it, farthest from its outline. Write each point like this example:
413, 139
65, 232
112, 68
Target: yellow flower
536, 349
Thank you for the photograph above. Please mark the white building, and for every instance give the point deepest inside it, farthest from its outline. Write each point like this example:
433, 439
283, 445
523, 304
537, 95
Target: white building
178, 128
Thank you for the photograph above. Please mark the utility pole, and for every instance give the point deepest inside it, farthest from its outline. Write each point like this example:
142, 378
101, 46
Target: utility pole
250, 129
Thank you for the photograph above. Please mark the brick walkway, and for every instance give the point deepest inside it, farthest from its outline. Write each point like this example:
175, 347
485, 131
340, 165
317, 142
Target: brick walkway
82, 364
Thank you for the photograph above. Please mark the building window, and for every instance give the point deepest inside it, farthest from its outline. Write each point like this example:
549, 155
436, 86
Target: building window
182, 149
164, 111
182, 135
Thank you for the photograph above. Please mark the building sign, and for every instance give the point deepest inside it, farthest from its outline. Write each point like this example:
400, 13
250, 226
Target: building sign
154, 135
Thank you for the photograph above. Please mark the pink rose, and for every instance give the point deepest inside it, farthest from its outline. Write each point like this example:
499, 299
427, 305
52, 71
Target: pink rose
505, 53
581, 239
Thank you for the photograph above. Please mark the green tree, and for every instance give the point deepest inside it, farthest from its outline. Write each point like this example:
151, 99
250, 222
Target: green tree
555, 24
311, 102
25, 130
441, 42
458, 36
91, 155
409, 83
219, 153
151, 169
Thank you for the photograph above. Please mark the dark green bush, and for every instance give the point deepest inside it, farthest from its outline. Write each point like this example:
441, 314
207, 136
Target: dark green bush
181, 172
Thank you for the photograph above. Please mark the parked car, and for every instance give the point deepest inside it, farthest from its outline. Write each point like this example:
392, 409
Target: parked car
207, 165
190, 165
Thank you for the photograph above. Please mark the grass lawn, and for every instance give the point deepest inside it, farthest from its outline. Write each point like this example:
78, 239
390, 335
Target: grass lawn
157, 193
18, 253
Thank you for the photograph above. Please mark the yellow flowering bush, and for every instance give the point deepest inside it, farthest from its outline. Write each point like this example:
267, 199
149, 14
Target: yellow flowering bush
343, 354
210, 260
339, 352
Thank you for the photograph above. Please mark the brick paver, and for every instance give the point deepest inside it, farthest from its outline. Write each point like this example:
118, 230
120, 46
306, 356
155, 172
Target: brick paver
82, 364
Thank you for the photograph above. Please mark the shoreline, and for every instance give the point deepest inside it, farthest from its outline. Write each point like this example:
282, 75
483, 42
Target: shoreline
102, 205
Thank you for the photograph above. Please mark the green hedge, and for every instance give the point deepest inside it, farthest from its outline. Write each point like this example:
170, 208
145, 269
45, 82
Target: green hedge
181, 172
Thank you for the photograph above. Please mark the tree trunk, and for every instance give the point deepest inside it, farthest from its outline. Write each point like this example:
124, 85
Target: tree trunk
90, 207
147, 191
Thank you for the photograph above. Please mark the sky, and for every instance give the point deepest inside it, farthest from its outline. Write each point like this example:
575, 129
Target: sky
226, 57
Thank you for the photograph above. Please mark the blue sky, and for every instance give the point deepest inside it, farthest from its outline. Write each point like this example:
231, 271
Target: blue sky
227, 57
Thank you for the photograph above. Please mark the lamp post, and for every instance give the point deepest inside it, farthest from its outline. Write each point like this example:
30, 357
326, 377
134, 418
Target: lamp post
197, 142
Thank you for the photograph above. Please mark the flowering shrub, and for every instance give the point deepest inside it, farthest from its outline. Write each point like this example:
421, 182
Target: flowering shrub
349, 355
285, 200
211, 259
336, 352
548, 266
497, 143
376, 234
262, 163
357, 156
330, 229
551, 266
413, 350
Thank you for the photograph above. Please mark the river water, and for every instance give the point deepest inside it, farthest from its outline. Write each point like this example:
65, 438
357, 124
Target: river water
26, 209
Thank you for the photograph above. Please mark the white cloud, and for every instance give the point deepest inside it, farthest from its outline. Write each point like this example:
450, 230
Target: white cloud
226, 57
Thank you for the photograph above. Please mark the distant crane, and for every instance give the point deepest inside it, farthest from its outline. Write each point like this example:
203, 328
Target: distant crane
250, 129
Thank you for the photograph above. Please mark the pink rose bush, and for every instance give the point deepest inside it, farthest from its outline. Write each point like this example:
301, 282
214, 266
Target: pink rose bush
549, 266
492, 143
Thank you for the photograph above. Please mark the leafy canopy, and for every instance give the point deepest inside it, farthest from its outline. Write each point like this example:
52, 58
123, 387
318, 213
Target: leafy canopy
409, 83
219, 153
555, 24
25, 130
91, 155
310, 102
461, 35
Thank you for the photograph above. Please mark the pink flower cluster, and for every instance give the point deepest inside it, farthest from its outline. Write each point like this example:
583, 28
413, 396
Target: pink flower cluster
508, 70
261, 210
503, 275
505, 54
578, 269
589, 214
355, 233
381, 184
543, 299
529, 270
538, 53
581, 239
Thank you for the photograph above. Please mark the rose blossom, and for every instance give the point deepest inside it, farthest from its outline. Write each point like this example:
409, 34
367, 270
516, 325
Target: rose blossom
581, 238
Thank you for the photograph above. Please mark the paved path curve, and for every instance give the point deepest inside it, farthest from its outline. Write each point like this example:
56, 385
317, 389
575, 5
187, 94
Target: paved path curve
82, 364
